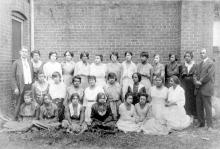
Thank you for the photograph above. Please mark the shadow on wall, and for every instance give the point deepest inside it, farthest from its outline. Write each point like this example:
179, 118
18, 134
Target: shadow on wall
216, 57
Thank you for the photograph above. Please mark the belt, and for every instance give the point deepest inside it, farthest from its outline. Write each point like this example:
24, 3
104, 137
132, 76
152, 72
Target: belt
91, 100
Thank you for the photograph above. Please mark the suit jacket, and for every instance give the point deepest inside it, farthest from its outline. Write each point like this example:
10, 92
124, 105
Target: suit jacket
18, 75
206, 75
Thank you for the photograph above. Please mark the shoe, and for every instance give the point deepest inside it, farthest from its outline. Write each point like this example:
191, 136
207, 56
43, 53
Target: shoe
199, 125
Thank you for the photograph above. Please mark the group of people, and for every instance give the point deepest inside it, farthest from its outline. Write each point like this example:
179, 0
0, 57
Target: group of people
154, 99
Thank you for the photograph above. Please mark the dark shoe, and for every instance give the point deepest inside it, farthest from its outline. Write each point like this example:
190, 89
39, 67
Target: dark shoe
199, 125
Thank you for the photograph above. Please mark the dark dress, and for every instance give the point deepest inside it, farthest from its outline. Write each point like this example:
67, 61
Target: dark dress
170, 70
189, 87
102, 117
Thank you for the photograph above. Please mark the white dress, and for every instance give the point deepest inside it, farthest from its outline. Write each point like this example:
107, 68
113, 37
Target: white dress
158, 96
68, 68
127, 72
57, 90
99, 71
127, 119
49, 68
175, 115
90, 96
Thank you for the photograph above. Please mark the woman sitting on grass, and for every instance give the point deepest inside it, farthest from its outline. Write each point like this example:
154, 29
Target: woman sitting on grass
48, 117
101, 115
74, 115
128, 121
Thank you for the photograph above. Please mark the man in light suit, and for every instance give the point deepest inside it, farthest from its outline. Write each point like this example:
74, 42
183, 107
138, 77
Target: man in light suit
205, 78
22, 78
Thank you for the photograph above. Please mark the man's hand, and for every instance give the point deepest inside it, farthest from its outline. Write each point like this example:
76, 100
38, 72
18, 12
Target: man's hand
16, 91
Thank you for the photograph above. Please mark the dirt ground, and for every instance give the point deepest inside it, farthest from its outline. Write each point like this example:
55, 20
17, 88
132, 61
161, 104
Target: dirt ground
191, 138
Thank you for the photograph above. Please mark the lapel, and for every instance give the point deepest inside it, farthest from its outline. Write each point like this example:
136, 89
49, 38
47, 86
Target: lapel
192, 69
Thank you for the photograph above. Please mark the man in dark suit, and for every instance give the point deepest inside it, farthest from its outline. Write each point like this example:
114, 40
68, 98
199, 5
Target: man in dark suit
205, 78
22, 78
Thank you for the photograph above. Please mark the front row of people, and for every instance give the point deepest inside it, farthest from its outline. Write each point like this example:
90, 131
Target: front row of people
156, 113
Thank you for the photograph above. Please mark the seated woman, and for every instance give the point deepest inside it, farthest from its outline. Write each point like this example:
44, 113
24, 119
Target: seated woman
74, 115
136, 88
40, 88
90, 95
175, 113
143, 107
101, 115
113, 92
48, 117
149, 124
57, 91
128, 121
29, 112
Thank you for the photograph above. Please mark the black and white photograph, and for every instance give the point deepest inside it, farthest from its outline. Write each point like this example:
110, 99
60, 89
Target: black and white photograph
110, 74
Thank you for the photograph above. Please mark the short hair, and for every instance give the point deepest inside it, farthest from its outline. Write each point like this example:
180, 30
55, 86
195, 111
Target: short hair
48, 95
91, 77
35, 52
84, 54
156, 55
71, 53
188, 52
28, 93
129, 53
112, 75
56, 74
73, 95
144, 54
145, 95
99, 95
139, 76
128, 94
171, 54
175, 79
100, 55
51, 53
160, 77
114, 53
76, 77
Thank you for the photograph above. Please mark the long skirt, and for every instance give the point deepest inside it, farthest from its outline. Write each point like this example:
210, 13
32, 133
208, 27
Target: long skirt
126, 82
88, 112
67, 79
108, 126
128, 126
61, 108
147, 83
84, 81
153, 126
46, 124
176, 117
114, 105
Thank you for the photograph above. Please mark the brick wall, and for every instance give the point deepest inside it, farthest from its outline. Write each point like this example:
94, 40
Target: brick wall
105, 26
6, 8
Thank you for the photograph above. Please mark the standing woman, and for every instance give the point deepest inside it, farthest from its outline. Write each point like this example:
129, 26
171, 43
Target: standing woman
68, 68
145, 69
37, 63
114, 66
82, 68
128, 69
52, 66
188, 70
171, 69
158, 68
98, 69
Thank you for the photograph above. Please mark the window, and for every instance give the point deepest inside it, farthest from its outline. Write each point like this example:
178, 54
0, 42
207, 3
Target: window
17, 37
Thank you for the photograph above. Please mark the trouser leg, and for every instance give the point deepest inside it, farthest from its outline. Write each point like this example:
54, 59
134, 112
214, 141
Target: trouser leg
208, 109
200, 109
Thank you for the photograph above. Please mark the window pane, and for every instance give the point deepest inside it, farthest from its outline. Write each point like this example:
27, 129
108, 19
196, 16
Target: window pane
16, 38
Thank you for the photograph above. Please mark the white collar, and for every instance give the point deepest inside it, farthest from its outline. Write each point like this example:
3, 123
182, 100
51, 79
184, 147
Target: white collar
205, 59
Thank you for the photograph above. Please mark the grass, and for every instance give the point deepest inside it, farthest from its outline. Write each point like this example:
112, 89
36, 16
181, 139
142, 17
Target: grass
190, 138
